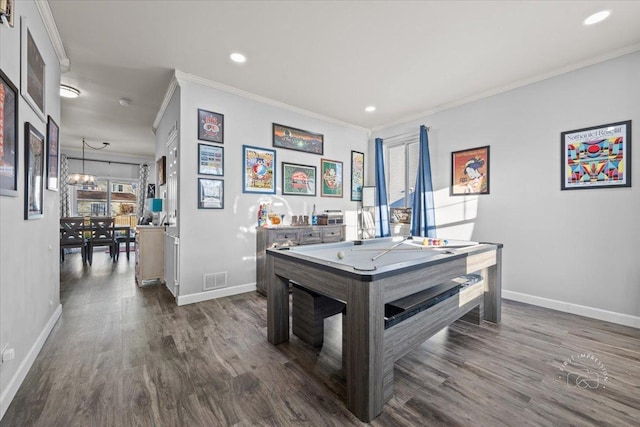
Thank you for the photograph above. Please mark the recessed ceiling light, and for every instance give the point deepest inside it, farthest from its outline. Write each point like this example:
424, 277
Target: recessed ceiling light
238, 57
69, 92
597, 17
370, 109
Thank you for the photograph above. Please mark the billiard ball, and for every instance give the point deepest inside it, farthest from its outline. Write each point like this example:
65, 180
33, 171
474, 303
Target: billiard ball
340, 254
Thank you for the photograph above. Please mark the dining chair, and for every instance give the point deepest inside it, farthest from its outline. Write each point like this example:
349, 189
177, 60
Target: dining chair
72, 236
102, 234
124, 236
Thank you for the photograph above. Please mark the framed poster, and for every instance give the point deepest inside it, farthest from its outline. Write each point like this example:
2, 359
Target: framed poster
596, 157
297, 139
331, 178
210, 126
210, 160
34, 154
470, 172
258, 170
32, 71
298, 180
8, 137
161, 170
210, 193
357, 175
53, 150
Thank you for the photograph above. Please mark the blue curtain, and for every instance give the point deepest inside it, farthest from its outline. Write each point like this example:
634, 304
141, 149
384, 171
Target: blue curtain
423, 221
383, 229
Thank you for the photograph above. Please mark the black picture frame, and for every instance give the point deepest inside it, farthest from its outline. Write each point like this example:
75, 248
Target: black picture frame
210, 126
210, 160
34, 154
596, 157
298, 180
53, 154
9, 145
32, 72
297, 139
161, 170
471, 172
357, 175
210, 193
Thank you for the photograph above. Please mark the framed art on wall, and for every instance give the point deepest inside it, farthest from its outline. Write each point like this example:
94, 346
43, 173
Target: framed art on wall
34, 154
210, 193
596, 157
298, 180
161, 170
32, 71
331, 171
7, 9
470, 172
210, 160
258, 170
8, 137
210, 126
297, 139
53, 150
357, 175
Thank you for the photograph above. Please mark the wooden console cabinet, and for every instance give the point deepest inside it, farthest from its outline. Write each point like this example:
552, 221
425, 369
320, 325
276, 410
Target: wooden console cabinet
149, 253
273, 237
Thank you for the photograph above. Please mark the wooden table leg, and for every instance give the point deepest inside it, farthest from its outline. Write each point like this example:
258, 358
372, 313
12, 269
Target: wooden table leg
493, 290
277, 305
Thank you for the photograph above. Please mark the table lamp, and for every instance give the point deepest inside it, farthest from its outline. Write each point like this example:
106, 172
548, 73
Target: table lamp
155, 206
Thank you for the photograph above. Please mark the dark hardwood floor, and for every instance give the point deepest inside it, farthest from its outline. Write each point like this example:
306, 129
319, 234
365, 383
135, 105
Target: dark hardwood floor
127, 356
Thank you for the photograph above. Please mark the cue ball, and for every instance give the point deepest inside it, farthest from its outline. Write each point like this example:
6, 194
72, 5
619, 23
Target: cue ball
340, 254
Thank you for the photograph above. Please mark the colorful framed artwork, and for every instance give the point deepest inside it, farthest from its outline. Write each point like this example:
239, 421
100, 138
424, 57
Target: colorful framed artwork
470, 172
210, 193
331, 178
298, 180
53, 153
210, 160
32, 72
34, 154
297, 139
210, 126
161, 170
8, 137
596, 157
357, 175
258, 170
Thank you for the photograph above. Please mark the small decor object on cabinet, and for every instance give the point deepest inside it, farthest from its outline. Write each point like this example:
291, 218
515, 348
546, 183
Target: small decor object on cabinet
470, 172
161, 166
331, 178
210, 160
259, 170
32, 78
53, 132
210, 126
297, 139
357, 175
8, 137
210, 193
34, 172
298, 180
7, 10
596, 157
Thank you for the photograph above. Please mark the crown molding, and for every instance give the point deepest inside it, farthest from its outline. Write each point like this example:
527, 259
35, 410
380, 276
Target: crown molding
173, 85
54, 34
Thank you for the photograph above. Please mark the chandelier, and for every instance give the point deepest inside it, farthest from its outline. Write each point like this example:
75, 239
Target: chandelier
85, 179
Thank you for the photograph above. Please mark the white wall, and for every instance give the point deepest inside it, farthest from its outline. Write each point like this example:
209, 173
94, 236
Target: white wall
29, 250
213, 241
570, 250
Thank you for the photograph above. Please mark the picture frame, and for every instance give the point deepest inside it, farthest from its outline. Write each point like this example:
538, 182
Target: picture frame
151, 191
34, 154
7, 10
210, 160
332, 175
297, 139
53, 154
259, 170
9, 146
470, 172
298, 180
210, 126
357, 175
32, 72
210, 193
596, 157
161, 170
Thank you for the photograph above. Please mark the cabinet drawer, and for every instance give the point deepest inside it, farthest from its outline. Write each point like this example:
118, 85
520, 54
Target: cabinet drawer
279, 237
331, 234
310, 235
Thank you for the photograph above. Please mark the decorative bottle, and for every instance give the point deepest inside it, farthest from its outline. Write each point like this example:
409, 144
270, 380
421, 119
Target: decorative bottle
314, 216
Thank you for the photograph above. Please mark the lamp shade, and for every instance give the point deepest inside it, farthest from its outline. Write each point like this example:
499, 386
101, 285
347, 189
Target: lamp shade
154, 205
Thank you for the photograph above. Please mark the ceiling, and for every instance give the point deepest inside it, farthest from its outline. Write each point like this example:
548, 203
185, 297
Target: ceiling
331, 58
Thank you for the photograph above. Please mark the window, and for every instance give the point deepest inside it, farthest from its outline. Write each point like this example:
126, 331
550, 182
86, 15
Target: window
401, 165
108, 198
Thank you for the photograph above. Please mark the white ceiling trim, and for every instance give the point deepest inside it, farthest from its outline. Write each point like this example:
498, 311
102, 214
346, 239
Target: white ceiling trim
54, 34
165, 102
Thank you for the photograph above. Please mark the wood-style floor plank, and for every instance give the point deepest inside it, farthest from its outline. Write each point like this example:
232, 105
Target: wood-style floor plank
121, 355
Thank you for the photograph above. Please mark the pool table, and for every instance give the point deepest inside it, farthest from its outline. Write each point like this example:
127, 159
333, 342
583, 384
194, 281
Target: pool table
366, 275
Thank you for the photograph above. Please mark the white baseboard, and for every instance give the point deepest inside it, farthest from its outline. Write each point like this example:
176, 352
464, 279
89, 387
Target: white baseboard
581, 310
216, 293
14, 384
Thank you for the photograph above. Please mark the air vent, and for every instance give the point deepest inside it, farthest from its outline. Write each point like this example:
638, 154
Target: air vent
214, 281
